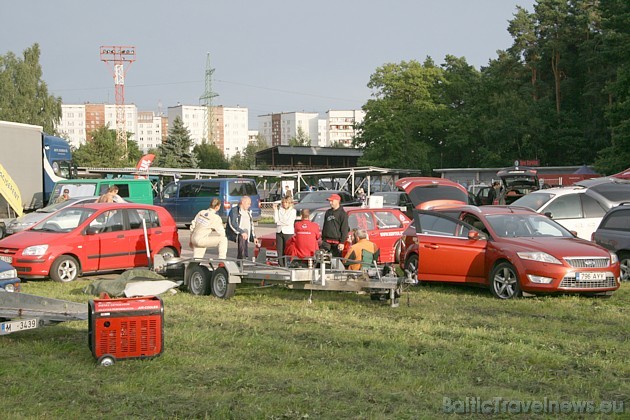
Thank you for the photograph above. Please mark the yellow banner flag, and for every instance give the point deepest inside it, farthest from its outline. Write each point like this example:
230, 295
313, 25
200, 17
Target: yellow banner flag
10, 191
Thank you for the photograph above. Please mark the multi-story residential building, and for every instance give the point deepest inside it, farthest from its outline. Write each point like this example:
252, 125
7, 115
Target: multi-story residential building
72, 125
152, 130
78, 121
341, 126
278, 129
229, 126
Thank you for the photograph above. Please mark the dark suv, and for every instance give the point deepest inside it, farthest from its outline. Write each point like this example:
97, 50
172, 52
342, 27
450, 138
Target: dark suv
613, 234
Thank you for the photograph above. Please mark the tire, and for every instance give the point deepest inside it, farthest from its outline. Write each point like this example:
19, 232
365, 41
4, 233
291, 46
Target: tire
504, 283
397, 250
411, 265
167, 253
65, 269
198, 280
106, 360
221, 287
624, 262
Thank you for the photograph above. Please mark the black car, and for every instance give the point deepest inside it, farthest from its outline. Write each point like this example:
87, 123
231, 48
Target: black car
613, 234
398, 199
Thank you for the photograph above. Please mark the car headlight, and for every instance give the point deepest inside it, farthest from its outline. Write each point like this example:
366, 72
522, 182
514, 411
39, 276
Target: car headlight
35, 250
8, 274
539, 256
614, 259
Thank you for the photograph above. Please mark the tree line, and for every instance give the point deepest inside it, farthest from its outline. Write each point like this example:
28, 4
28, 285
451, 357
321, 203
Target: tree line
560, 95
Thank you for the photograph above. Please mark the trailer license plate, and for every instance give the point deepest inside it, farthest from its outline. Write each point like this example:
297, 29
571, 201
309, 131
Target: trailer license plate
21, 325
6, 259
589, 276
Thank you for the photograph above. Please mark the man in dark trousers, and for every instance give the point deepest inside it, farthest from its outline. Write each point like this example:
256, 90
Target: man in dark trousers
335, 230
240, 226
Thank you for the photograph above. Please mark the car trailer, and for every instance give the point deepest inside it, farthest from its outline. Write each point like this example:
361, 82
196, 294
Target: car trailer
21, 311
220, 277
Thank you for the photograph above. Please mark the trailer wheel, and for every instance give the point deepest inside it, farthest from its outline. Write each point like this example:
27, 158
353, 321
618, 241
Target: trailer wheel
221, 287
65, 269
106, 360
198, 280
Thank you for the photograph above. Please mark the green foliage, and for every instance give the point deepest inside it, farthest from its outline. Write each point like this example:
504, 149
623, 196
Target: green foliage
558, 94
24, 95
247, 160
302, 138
176, 151
103, 151
210, 157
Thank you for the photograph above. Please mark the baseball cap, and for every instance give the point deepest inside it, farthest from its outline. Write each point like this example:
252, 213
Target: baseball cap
334, 197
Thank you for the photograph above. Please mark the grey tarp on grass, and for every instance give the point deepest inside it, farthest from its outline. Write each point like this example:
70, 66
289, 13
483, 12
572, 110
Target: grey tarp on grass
116, 287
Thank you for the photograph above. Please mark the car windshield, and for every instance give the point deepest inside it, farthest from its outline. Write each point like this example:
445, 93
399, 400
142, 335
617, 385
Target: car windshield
533, 201
64, 220
317, 197
526, 225
299, 196
389, 198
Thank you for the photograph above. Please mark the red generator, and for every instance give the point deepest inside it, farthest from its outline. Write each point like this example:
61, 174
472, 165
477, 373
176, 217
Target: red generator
125, 328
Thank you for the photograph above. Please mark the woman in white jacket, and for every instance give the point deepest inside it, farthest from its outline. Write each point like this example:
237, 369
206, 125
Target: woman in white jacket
285, 220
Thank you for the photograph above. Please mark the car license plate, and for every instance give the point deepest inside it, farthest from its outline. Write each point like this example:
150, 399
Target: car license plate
21, 325
589, 276
6, 259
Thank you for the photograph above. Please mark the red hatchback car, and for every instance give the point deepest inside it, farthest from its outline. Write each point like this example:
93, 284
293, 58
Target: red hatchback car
510, 249
384, 226
91, 238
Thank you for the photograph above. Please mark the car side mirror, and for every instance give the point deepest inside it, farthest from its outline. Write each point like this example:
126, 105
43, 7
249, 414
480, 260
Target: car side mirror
549, 214
473, 235
92, 230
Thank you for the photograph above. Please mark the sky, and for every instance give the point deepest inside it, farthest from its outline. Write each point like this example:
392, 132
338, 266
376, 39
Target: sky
269, 56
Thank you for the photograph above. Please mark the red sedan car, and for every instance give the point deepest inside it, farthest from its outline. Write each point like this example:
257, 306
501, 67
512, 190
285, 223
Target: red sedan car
91, 238
384, 226
512, 250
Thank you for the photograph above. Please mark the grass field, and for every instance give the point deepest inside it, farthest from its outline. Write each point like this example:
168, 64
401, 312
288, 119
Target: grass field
268, 353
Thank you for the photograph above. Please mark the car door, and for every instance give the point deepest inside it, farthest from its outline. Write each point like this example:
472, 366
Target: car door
106, 246
446, 252
388, 231
135, 235
567, 210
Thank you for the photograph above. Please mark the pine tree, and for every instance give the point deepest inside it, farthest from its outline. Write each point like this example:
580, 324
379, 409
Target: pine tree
176, 152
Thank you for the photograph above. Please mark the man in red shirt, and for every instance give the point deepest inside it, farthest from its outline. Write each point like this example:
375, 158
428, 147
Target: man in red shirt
304, 242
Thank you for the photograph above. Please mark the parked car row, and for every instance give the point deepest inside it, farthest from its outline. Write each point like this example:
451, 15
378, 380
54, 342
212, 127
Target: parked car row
513, 250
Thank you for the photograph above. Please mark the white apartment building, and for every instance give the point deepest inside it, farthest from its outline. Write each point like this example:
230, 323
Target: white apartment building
278, 129
150, 131
72, 125
340, 125
230, 126
131, 119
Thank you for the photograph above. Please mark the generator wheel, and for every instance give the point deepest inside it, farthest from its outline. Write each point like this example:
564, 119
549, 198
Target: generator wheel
198, 280
221, 286
106, 360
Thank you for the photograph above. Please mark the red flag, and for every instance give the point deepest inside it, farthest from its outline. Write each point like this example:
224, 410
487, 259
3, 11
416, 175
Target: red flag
144, 163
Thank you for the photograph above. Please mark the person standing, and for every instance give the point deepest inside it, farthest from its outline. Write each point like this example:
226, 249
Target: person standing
284, 217
288, 193
207, 231
111, 196
493, 194
335, 230
241, 226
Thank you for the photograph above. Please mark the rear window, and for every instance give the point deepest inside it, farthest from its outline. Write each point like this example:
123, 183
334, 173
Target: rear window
619, 220
437, 192
240, 188
123, 189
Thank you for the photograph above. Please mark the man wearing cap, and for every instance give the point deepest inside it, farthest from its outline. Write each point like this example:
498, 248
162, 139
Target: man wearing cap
335, 230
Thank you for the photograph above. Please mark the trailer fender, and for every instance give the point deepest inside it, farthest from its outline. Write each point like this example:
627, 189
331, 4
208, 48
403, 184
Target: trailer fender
233, 271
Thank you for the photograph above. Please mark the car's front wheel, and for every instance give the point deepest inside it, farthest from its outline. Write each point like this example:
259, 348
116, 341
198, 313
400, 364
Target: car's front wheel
504, 282
411, 266
65, 269
624, 262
